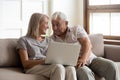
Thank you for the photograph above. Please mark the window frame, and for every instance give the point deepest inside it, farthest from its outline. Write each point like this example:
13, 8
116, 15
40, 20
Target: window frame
103, 9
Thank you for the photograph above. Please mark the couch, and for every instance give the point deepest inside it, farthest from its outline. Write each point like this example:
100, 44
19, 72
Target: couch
11, 67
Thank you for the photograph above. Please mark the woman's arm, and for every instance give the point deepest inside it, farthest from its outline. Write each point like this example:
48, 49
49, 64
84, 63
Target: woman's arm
25, 60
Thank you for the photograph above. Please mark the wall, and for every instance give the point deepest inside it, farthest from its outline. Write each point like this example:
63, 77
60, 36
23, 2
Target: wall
16, 22
80, 11
72, 8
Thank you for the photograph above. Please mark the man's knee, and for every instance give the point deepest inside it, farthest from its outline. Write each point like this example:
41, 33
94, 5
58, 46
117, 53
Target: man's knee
84, 70
112, 66
84, 73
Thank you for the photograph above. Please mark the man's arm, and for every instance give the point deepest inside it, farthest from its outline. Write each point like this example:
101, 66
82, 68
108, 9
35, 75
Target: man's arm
86, 50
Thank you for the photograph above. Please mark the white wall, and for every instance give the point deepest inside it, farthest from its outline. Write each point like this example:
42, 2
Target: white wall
72, 8
17, 25
80, 11
14, 24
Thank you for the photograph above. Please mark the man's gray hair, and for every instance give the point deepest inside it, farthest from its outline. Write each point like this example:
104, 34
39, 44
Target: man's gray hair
60, 15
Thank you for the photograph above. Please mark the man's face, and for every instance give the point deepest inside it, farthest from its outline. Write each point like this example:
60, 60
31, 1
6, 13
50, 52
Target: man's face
59, 26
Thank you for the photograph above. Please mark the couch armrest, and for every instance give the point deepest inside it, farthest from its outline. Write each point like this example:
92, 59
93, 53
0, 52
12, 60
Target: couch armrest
112, 52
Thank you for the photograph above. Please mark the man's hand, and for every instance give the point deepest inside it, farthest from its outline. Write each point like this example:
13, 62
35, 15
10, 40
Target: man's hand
81, 62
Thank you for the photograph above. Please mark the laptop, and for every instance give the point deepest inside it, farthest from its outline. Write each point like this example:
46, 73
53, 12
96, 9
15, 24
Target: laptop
62, 53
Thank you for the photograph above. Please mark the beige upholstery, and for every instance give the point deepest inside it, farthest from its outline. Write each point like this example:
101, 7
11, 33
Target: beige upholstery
97, 44
8, 54
17, 74
112, 52
10, 65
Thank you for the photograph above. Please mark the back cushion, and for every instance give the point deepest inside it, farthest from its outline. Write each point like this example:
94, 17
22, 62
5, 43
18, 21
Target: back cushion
8, 54
97, 44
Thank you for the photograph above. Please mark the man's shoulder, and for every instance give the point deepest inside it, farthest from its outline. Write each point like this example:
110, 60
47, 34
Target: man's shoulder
75, 27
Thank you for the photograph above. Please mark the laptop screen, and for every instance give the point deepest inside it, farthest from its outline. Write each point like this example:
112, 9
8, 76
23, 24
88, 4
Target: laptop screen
62, 53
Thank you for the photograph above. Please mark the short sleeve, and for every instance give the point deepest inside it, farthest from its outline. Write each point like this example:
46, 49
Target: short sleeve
21, 43
80, 32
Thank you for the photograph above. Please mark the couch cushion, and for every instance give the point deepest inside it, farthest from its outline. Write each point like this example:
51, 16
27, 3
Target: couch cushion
97, 44
8, 54
17, 74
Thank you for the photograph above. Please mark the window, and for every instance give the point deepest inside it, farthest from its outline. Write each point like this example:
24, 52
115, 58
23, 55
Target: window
15, 14
103, 16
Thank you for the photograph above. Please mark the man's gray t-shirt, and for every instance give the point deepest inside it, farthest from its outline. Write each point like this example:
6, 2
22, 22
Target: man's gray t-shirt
35, 49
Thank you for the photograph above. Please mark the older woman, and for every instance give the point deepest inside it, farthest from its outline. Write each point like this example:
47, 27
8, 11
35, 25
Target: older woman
32, 50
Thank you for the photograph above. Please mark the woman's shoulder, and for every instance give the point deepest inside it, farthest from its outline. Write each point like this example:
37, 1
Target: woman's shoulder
24, 38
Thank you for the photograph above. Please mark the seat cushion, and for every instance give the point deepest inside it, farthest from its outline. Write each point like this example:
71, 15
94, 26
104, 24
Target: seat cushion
97, 44
17, 74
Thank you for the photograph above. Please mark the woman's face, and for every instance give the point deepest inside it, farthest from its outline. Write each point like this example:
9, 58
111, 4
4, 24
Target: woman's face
43, 26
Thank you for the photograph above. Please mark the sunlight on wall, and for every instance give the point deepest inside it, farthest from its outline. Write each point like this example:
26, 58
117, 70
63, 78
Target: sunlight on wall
73, 10
17, 20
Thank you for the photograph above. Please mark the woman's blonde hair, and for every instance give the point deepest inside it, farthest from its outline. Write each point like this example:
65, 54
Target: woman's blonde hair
34, 23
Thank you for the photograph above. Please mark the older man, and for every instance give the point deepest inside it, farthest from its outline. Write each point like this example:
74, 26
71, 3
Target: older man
87, 63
